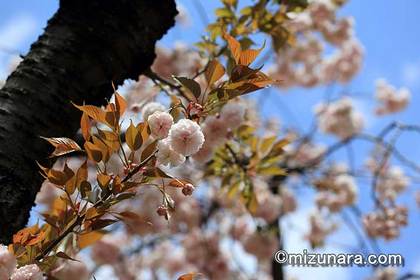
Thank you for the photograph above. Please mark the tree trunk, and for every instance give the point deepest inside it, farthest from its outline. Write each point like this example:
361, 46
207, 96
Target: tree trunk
277, 268
86, 46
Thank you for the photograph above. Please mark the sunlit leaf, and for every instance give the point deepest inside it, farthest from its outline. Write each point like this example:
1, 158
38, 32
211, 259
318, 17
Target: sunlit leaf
60, 177
87, 239
92, 213
93, 112
214, 71
103, 180
224, 12
103, 147
62, 146
266, 145
120, 103
252, 204
85, 126
272, 171
248, 56
110, 138
81, 175
234, 47
94, 153
133, 137
278, 147
189, 276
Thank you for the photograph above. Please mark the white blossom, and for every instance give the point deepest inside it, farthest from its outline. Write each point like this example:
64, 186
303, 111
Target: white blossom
166, 155
186, 137
150, 108
391, 100
27, 272
160, 123
7, 262
233, 114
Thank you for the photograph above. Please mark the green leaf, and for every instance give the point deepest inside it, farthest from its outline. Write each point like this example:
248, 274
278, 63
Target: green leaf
266, 145
272, 171
224, 13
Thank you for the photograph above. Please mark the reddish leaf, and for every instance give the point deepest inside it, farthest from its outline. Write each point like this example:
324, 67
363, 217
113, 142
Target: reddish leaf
133, 138
93, 152
87, 239
120, 103
93, 112
234, 47
85, 126
62, 146
188, 276
214, 72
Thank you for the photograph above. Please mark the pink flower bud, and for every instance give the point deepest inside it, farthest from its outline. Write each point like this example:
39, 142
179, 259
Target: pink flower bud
188, 189
162, 210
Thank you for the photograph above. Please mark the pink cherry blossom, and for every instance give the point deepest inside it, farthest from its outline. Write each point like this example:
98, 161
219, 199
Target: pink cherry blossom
150, 108
27, 272
167, 156
233, 114
186, 137
7, 262
391, 100
160, 123
105, 251
71, 270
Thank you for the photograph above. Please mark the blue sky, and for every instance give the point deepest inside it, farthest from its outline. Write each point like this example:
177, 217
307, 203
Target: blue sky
389, 32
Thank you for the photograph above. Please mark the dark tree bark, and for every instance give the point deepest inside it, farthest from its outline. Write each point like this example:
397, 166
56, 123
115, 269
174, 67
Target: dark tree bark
277, 268
86, 46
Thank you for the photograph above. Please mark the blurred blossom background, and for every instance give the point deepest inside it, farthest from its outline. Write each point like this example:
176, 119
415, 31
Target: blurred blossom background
389, 37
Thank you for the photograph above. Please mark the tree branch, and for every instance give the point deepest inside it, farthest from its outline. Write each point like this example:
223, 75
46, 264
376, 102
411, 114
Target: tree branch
86, 46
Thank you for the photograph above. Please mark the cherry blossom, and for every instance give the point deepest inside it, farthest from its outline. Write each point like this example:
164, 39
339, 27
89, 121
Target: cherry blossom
160, 123
27, 272
186, 137
7, 262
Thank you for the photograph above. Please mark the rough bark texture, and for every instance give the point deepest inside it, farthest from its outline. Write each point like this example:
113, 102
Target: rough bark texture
86, 45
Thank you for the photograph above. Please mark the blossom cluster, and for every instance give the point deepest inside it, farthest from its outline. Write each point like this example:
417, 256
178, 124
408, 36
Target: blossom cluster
307, 153
218, 128
339, 118
8, 269
320, 228
304, 64
391, 182
386, 222
176, 140
391, 100
336, 189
